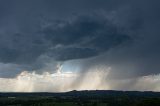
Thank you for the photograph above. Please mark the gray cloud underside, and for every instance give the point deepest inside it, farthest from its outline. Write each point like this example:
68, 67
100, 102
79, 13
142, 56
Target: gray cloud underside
121, 34
81, 38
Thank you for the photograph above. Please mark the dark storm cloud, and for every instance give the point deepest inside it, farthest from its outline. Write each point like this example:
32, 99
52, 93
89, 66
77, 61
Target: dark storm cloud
84, 37
121, 34
140, 58
34, 33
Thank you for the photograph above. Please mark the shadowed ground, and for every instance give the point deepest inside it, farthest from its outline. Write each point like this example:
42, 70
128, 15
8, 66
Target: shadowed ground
82, 98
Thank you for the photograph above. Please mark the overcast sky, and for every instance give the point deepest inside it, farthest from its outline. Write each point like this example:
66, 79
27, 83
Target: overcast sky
85, 37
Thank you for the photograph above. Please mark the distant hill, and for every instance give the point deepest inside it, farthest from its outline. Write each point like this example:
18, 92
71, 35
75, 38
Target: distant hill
92, 93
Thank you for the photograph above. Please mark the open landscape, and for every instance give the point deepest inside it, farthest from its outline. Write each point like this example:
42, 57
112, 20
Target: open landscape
79, 52
82, 98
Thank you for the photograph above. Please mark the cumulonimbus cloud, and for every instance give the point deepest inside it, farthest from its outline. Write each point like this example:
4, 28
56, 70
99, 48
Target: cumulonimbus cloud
84, 37
124, 35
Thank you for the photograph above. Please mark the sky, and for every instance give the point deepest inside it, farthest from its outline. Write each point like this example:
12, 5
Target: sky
64, 45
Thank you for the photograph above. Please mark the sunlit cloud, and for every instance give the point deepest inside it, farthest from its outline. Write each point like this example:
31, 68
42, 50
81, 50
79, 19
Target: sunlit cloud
59, 81
95, 78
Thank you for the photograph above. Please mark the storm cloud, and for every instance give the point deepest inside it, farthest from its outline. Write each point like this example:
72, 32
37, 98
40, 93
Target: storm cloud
82, 36
30, 43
